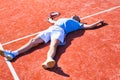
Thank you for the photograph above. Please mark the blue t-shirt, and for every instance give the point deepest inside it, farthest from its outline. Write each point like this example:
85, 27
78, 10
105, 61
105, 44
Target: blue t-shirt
69, 24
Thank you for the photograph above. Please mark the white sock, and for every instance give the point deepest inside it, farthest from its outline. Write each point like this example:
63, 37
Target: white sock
15, 53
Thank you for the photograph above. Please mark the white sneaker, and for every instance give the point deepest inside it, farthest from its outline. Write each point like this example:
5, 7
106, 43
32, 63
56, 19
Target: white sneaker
49, 63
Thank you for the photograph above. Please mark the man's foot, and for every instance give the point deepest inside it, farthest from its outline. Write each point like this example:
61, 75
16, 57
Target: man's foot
7, 54
49, 63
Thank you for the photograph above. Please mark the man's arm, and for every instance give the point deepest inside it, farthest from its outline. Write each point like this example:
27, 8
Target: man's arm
51, 20
92, 26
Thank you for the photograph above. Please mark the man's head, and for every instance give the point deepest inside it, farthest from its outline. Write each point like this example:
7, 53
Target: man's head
75, 17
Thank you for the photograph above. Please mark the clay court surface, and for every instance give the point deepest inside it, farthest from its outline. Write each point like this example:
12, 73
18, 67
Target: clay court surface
87, 55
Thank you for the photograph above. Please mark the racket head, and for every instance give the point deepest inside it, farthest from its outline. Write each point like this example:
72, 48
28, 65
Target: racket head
54, 14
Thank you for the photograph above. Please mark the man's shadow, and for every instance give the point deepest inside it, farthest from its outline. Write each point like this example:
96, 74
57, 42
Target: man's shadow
60, 50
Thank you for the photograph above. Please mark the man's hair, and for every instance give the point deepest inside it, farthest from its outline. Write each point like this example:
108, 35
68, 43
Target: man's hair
75, 17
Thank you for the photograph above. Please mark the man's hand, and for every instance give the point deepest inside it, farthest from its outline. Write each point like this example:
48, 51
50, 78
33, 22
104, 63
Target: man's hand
51, 20
94, 25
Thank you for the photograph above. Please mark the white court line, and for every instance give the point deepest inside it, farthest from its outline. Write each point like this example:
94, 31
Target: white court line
110, 9
9, 63
19, 39
12, 70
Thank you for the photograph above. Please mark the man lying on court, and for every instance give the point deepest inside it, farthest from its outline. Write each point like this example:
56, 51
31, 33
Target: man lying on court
56, 34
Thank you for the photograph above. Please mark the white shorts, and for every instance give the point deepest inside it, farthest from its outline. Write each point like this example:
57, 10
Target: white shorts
53, 32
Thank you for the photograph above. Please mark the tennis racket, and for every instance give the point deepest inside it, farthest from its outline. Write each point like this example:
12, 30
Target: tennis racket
54, 14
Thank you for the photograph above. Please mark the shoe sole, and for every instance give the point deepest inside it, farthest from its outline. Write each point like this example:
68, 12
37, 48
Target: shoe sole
9, 58
49, 64
2, 53
1, 50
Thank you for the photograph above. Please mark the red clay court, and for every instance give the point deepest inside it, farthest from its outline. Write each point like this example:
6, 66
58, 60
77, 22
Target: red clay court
87, 55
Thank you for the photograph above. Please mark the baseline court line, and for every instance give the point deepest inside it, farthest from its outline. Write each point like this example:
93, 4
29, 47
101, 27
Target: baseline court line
12, 70
9, 63
101, 12
110, 9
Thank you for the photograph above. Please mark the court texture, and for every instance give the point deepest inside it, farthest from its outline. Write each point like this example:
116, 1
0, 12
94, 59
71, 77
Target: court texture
87, 55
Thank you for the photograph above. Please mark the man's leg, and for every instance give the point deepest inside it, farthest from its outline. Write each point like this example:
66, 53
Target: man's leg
50, 62
32, 43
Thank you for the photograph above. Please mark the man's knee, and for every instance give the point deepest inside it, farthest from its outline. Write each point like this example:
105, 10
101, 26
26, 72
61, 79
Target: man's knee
34, 41
55, 42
